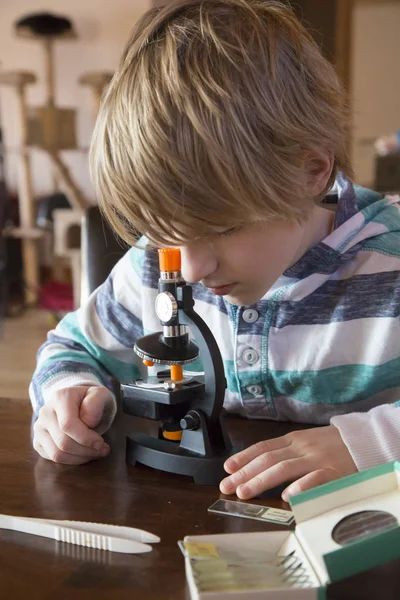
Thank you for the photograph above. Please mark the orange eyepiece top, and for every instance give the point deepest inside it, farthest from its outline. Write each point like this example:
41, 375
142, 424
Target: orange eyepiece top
169, 259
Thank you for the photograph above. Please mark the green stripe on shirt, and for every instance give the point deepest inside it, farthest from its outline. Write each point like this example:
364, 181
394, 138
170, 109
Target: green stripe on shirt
122, 371
336, 385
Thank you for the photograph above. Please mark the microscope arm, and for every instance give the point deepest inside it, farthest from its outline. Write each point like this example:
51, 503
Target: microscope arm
214, 374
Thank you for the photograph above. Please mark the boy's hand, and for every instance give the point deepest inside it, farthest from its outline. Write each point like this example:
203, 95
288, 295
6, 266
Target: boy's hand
64, 431
307, 458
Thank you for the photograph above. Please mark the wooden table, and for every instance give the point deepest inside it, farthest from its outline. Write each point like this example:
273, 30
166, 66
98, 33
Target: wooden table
108, 491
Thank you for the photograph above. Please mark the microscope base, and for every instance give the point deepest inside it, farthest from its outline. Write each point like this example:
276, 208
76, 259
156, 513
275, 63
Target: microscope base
169, 456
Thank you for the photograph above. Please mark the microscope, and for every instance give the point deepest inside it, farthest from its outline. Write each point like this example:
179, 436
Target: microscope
192, 439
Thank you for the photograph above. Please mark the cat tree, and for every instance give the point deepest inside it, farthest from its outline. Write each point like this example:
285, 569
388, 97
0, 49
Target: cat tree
49, 128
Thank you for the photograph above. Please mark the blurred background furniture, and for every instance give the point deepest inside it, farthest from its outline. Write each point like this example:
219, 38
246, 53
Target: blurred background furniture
3, 247
52, 129
387, 173
101, 250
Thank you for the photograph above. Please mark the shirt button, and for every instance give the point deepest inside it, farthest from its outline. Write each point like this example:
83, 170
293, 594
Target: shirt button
254, 389
250, 356
250, 315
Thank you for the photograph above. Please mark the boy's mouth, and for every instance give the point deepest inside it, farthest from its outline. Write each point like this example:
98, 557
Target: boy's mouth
222, 290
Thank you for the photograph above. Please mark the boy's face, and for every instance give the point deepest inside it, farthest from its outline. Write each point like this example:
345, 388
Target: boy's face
242, 265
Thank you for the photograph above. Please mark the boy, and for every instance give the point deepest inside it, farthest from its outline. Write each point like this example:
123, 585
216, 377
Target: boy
221, 132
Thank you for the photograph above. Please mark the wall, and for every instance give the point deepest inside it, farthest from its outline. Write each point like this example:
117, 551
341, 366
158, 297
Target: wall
102, 27
375, 80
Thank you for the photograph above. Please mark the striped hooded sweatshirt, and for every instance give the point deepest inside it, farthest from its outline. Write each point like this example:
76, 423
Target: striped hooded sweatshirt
322, 345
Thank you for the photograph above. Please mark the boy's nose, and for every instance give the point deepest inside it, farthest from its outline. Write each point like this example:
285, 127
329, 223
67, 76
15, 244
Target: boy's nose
198, 261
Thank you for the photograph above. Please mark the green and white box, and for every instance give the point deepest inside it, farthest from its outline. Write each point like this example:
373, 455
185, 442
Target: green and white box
342, 528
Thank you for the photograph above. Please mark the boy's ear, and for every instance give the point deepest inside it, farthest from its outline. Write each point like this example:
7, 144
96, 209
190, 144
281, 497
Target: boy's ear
318, 169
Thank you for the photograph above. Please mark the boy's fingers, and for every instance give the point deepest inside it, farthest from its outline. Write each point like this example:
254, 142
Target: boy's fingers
68, 421
51, 452
93, 405
239, 460
309, 481
253, 468
282, 472
65, 443
39, 448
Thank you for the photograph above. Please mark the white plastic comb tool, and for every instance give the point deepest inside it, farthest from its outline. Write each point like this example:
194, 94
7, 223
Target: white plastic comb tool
114, 538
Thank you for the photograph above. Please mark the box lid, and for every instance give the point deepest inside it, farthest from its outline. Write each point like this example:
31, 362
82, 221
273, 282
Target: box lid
352, 524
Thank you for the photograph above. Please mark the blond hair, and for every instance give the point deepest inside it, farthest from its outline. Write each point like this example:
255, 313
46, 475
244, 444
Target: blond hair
207, 118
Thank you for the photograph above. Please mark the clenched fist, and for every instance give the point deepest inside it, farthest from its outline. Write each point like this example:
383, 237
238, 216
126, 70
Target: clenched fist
65, 431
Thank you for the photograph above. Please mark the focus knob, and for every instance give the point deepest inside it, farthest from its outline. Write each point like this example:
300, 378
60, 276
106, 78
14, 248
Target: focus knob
191, 421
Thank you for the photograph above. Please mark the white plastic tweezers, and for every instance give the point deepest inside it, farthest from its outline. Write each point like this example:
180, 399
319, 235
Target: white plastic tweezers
92, 535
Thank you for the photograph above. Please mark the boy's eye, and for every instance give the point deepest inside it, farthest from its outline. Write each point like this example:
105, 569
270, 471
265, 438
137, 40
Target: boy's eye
228, 232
